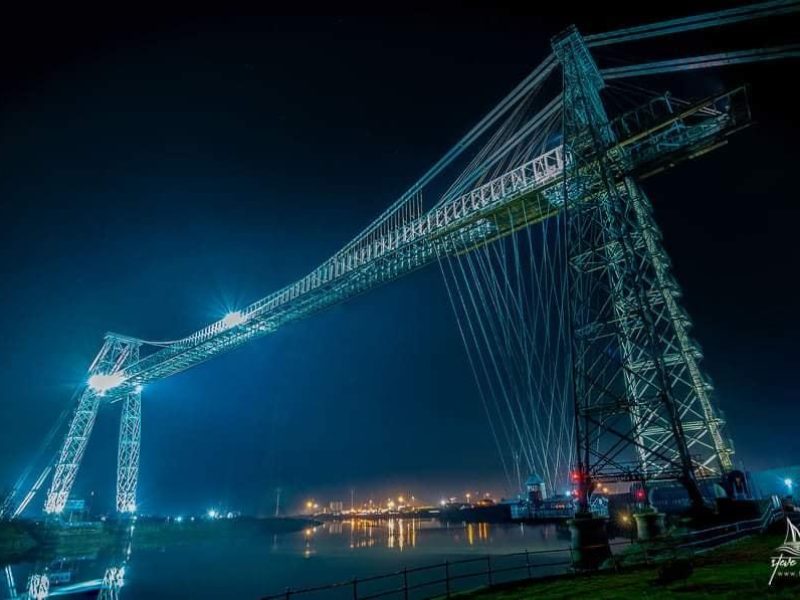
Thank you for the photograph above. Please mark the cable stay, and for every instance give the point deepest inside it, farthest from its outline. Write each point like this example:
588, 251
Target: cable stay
706, 61
694, 22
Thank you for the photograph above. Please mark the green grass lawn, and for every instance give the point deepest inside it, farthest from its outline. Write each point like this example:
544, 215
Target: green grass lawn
738, 570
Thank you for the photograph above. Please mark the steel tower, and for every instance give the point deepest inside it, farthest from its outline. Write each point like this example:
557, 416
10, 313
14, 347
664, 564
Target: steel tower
115, 355
642, 404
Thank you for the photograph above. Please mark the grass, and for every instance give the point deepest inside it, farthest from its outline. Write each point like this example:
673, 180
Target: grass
738, 570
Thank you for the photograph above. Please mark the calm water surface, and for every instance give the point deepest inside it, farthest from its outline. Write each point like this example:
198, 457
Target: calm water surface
253, 566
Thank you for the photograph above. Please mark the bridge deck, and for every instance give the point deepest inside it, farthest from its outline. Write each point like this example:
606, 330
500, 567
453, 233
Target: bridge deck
523, 196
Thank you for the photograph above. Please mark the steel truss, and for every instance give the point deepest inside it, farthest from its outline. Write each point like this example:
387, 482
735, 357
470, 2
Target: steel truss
130, 429
642, 405
116, 353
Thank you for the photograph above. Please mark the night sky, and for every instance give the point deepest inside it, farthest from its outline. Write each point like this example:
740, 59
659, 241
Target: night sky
160, 170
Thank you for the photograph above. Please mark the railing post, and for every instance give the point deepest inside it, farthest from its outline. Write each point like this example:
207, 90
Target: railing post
447, 578
489, 569
355, 588
528, 563
288, 593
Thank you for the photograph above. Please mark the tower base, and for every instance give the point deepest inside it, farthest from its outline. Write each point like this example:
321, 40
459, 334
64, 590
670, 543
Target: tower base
590, 547
649, 525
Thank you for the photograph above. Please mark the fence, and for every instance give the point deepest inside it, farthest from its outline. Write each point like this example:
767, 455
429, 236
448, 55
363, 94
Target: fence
443, 579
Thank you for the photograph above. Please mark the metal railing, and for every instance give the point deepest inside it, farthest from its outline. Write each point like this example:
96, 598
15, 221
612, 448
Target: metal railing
443, 579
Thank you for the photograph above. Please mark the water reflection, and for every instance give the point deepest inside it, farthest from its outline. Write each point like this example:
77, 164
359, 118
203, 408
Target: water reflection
254, 562
403, 534
75, 574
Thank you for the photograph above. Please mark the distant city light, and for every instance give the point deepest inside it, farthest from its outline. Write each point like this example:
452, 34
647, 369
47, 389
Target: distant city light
212, 514
232, 319
179, 519
101, 383
788, 483
443, 502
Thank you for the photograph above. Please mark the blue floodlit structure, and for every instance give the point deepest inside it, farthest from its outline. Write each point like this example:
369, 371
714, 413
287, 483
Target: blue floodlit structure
643, 404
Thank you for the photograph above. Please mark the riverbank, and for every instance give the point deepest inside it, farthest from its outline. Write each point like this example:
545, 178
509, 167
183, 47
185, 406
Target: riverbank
738, 570
24, 540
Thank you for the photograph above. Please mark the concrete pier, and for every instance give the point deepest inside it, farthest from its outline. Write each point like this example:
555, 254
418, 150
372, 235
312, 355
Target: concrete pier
649, 525
590, 546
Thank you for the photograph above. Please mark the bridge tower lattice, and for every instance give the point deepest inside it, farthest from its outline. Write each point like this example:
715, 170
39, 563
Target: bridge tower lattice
642, 405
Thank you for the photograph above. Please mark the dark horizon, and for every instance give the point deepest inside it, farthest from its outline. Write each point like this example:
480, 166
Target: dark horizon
161, 172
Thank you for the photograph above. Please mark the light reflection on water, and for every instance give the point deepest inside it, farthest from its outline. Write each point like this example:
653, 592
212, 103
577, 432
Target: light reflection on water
251, 566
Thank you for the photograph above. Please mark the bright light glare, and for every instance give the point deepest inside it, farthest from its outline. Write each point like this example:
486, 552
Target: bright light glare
101, 383
788, 483
232, 319
212, 514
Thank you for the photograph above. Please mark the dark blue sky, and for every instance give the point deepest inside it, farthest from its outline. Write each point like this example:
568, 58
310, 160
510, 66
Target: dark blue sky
161, 170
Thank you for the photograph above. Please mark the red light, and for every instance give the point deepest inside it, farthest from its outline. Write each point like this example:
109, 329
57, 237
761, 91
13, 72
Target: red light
640, 494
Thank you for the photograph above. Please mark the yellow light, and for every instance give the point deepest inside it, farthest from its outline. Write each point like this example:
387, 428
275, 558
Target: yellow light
401, 499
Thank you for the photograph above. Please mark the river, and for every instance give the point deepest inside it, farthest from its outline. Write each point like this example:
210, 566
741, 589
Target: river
254, 566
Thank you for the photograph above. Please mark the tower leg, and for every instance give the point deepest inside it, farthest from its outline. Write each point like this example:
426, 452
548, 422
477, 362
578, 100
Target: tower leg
642, 405
128, 454
115, 353
69, 458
